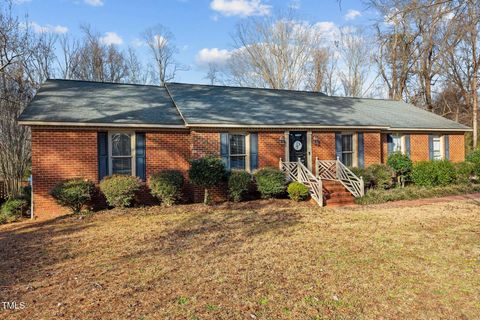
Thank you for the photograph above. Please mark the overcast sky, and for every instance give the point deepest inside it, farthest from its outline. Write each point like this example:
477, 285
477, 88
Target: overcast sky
202, 28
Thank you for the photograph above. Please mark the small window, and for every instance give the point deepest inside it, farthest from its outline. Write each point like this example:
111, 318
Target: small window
121, 155
437, 148
347, 149
396, 143
237, 151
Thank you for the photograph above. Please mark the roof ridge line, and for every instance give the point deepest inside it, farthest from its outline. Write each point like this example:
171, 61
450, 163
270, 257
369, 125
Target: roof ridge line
175, 105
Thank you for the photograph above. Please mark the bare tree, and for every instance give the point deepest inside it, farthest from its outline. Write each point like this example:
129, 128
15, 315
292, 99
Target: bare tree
25, 60
355, 55
160, 41
274, 52
323, 75
212, 73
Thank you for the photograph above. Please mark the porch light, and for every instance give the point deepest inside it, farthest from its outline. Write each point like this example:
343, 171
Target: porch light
281, 140
316, 141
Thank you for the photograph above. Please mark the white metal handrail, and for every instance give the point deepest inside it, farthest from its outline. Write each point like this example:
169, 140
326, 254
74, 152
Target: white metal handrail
336, 170
296, 171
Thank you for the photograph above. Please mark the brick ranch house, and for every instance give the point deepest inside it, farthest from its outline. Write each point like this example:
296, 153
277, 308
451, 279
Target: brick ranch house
91, 130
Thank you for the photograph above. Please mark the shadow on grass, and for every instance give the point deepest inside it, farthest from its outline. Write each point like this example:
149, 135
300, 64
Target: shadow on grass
222, 231
29, 251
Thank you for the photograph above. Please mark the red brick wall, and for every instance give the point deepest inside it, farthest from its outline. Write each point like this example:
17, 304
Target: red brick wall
270, 150
168, 151
457, 147
205, 144
372, 148
59, 155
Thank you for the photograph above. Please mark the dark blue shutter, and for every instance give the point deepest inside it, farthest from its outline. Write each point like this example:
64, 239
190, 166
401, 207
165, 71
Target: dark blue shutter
102, 146
447, 147
361, 151
140, 155
338, 145
430, 147
389, 144
407, 145
224, 149
253, 151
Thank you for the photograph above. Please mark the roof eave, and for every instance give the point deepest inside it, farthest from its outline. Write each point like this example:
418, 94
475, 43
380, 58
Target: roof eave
98, 124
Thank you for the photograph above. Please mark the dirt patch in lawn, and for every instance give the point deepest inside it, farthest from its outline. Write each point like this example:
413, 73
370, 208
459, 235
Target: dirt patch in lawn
255, 260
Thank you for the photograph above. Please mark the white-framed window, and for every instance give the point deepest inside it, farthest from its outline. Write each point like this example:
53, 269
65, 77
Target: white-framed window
347, 149
237, 151
437, 148
121, 152
397, 143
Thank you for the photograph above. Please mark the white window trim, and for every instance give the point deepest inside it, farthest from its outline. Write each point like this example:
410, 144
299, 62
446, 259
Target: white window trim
247, 148
442, 147
132, 145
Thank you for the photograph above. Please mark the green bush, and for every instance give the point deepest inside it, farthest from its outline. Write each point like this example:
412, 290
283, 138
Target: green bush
120, 190
380, 176
12, 210
297, 191
401, 165
271, 182
73, 193
433, 173
464, 171
167, 186
415, 192
238, 184
474, 158
206, 172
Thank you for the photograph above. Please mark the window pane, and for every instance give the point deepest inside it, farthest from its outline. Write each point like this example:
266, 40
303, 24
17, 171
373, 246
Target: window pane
397, 143
237, 162
121, 145
237, 144
347, 159
122, 166
347, 142
437, 154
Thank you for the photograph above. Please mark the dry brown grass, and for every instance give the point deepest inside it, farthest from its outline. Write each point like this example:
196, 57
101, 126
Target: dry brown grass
262, 260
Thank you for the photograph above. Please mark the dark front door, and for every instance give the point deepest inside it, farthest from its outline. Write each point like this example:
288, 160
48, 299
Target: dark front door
298, 146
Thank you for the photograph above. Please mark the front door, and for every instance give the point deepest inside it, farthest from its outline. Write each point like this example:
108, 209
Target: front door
298, 146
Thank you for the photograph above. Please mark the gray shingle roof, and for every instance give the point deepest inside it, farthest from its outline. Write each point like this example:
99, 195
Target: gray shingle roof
218, 105
101, 103
84, 103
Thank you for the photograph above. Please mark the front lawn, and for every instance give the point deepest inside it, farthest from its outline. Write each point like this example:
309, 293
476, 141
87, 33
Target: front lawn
256, 260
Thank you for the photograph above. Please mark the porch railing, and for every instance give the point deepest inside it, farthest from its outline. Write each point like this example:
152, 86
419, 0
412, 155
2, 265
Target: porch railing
336, 170
296, 171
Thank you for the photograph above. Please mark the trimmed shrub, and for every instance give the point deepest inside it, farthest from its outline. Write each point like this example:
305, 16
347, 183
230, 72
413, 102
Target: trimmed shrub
464, 171
380, 176
416, 192
433, 173
167, 186
120, 190
401, 165
238, 184
297, 191
12, 210
73, 193
206, 172
474, 158
271, 182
